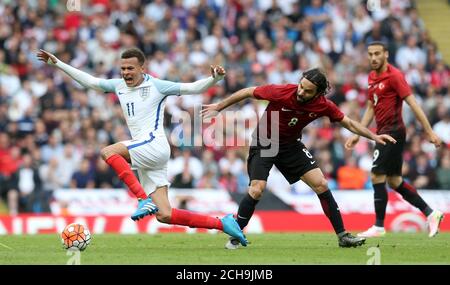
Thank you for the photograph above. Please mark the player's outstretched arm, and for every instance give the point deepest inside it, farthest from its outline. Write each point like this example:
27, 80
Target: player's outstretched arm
420, 115
211, 110
359, 129
81, 77
200, 86
366, 120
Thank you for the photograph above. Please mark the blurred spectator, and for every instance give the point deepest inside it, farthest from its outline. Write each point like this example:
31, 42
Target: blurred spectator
9, 165
193, 164
231, 162
83, 177
442, 127
317, 14
52, 149
410, 55
227, 180
350, 176
67, 163
29, 184
422, 175
49, 175
209, 179
443, 171
105, 176
184, 179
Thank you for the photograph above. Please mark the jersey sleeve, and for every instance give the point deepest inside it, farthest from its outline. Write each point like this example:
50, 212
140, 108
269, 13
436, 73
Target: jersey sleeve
400, 85
109, 85
166, 87
271, 92
333, 112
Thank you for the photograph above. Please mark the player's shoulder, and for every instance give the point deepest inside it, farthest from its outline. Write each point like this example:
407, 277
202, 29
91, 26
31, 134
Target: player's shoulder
320, 103
394, 72
328, 102
280, 88
288, 87
120, 84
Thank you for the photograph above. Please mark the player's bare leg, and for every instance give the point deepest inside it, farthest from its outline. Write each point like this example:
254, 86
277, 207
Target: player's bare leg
168, 215
380, 203
410, 194
316, 180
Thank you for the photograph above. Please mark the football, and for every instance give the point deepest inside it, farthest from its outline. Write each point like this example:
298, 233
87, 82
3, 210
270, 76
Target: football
76, 236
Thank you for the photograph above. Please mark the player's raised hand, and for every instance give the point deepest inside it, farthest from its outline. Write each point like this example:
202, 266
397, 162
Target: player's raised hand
383, 139
351, 142
46, 57
434, 139
209, 111
217, 71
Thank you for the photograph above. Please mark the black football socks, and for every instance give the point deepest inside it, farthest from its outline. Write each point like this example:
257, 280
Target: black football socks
380, 198
331, 210
246, 209
409, 193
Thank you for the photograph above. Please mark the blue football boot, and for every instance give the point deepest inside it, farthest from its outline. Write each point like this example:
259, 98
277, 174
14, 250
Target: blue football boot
231, 227
145, 207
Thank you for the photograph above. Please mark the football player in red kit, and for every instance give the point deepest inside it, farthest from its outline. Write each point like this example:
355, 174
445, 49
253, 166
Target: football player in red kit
387, 91
276, 141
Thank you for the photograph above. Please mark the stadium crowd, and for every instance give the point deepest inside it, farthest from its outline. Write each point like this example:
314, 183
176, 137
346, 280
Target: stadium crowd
52, 129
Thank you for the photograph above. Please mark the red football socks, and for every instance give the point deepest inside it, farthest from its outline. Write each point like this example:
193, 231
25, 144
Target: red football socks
123, 170
194, 220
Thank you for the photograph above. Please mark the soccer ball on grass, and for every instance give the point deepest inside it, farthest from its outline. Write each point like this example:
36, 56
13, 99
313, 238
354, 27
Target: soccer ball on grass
76, 236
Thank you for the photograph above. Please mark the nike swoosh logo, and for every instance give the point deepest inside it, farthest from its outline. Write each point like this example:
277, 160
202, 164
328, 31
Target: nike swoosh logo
374, 165
240, 217
286, 110
120, 93
312, 162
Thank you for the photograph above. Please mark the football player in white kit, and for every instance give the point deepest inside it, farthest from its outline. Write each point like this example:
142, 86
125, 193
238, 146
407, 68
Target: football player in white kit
142, 98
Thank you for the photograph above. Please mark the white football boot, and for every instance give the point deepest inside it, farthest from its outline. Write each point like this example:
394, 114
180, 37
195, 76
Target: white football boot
434, 220
373, 231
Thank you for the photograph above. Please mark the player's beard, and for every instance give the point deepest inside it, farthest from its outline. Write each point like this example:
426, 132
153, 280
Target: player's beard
378, 67
303, 100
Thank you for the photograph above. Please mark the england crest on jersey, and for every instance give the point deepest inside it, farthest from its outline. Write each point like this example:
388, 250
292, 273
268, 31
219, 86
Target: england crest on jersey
145, 93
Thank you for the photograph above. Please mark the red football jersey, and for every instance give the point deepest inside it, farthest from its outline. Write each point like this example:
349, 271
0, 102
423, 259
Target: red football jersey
291, 114
387, 92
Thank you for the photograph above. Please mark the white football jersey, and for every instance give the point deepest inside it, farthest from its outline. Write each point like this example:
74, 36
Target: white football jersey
143, 105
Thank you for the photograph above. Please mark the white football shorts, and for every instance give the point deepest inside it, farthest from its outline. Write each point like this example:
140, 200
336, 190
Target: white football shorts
149, 157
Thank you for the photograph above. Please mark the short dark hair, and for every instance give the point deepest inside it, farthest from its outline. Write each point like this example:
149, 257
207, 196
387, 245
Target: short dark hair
378, 43
319, 78
134, 52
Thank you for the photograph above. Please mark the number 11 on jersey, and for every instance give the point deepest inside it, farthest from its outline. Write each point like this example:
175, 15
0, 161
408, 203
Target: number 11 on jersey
130, 109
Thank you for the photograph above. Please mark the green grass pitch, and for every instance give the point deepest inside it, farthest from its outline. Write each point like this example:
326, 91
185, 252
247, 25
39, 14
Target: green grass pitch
273, 248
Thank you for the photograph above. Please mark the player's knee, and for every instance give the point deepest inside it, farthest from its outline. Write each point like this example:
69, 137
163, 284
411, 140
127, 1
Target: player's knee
256, 189
377, 178
106, 152
163, 216
320, 186
394, 183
